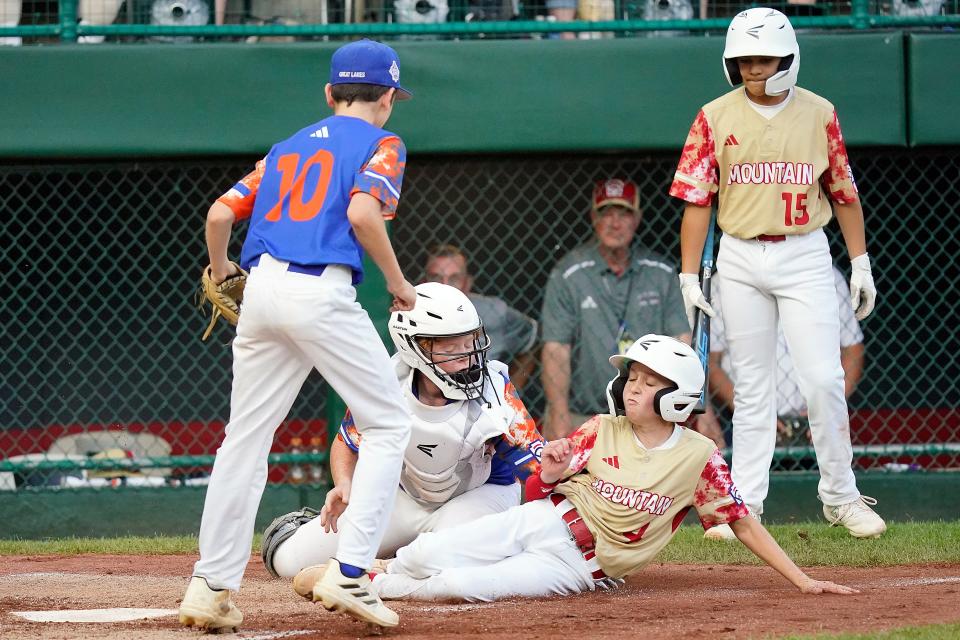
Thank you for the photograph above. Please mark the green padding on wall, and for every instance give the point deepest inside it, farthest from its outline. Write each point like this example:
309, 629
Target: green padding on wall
136, 512
49, 514
934, 89
471, 96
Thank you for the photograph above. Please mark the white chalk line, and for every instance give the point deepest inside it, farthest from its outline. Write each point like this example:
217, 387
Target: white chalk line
94, 615
278, 634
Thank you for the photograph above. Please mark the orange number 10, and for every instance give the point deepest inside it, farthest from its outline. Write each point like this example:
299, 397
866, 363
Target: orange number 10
291, 186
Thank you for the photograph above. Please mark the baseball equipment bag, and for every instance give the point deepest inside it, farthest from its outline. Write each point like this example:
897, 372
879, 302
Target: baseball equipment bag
224, 298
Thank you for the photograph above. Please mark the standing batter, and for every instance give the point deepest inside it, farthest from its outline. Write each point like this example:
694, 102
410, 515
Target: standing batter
606, 501
775, 155
315, 203
471, 440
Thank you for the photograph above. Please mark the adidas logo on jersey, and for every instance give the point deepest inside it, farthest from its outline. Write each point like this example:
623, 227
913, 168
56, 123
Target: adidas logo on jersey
588, 303
613, 462
322, 132
731, 141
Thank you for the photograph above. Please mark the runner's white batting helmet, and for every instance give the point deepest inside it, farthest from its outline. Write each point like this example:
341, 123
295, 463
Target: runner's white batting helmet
674, 360
763, 32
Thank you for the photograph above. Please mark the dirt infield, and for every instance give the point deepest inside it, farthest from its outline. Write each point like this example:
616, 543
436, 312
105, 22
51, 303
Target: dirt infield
665, 601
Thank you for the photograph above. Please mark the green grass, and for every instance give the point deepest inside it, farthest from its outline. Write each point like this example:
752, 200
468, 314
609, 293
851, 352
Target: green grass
809, 544
131, 545
926, 632
817, 544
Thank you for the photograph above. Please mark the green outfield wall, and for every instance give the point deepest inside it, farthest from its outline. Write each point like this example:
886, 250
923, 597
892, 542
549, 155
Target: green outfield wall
147, 512
471, 96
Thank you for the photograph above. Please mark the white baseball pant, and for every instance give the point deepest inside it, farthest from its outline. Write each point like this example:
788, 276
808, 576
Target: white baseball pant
791, 280
311, 545
290, 324
526, 551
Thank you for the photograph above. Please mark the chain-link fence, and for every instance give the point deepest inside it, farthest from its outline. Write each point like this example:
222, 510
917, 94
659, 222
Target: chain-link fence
105, 381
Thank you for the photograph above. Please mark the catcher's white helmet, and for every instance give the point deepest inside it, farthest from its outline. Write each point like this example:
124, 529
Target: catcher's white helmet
763, 32
442, 311
674, 360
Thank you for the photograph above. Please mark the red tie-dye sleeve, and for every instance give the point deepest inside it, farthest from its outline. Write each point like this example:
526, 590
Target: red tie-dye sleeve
382, 176
696, 178
838, 178
716, 498
242, 195
583, 441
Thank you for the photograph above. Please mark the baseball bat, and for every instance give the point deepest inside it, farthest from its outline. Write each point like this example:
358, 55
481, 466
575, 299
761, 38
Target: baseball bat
701, 321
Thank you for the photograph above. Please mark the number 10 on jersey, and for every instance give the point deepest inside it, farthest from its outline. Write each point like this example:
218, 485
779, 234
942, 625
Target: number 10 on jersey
292, 177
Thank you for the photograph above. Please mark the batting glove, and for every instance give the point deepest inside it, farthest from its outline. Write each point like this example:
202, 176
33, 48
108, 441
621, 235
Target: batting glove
693, 296
863, 293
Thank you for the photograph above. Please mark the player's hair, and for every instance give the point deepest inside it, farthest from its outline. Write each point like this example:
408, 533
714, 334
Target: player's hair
357, 92
446, 251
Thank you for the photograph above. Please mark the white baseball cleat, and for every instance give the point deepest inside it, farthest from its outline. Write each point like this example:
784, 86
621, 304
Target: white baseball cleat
208, 609
724, 532
857, 516
353, 596
305, 580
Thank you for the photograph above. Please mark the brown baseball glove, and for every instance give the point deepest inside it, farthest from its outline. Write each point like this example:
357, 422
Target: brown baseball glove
224, 298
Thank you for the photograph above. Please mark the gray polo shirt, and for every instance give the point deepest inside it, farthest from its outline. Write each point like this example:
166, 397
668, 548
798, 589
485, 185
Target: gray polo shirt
510, 331
585, 302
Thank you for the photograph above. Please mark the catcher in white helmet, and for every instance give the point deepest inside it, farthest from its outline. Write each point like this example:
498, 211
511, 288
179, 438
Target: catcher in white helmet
772, 156
606, 501
472, 439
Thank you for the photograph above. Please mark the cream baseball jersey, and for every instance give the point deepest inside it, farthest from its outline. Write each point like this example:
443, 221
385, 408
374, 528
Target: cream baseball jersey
774, 176
633, 499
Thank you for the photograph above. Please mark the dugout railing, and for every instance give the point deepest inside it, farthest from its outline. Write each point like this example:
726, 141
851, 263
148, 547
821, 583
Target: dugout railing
46, 22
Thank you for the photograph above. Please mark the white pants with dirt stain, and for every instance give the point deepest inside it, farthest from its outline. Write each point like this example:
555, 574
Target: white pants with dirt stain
311, 545
790, 282
526, 551
290, 324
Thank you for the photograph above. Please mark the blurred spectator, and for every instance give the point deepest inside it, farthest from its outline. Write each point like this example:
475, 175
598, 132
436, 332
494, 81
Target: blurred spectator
97, 13
10, 17
490, 10
289, 12
791, 405
668, 10
91, 13
600, 297
563, 11
513, 335
916, 7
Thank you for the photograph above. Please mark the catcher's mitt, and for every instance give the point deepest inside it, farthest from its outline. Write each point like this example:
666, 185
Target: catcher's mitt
224, 298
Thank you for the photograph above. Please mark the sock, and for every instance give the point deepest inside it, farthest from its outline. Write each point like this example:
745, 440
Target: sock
351, 571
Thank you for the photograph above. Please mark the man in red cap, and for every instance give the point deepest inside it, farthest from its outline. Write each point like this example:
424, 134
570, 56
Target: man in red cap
600, 297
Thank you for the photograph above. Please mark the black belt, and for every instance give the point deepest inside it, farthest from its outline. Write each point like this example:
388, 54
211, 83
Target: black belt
308, 269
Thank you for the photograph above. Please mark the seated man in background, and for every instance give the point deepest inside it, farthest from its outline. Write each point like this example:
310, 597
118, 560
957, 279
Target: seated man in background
600, 297
513, 335
792, 425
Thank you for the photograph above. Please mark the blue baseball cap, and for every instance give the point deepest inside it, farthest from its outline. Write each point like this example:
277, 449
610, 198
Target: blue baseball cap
367, 62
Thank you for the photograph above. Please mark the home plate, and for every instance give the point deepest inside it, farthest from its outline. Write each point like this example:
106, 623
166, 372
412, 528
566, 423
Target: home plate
94, 615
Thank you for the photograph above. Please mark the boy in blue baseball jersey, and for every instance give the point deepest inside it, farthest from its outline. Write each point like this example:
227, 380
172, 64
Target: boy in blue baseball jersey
315, 203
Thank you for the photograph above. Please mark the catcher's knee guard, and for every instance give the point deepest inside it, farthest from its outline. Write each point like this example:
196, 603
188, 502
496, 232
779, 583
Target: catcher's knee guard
281, 529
